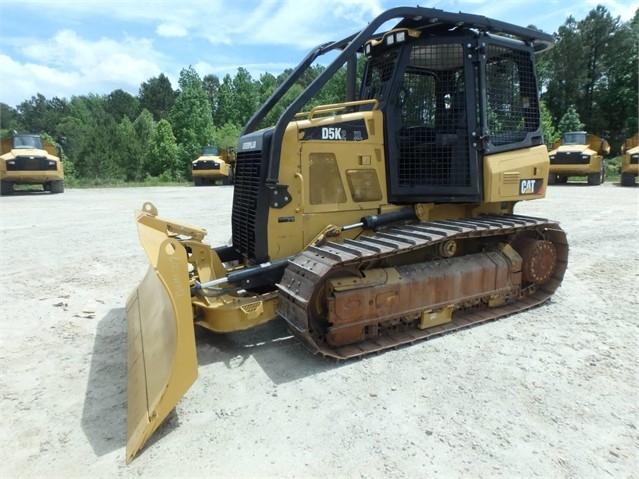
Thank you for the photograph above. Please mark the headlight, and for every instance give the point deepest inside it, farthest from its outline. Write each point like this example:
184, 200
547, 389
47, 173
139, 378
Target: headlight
51, 163
585, 157
552, 157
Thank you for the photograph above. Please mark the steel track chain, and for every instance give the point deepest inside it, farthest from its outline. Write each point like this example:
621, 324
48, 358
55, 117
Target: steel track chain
316, 263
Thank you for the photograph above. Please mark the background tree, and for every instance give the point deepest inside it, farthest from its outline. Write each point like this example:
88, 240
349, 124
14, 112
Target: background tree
69, 171
227, 135
9, 117
570, 121
272, 116
211, 85
75, 131
191, 119
593, 66
157, 96
266, 86
566, 70
224, 110
143, 127
121, 104
162, 158
618, 93
245, 97
334, 91
550, 133
596, 33
91, 137
102, 153
39, 115
128, 150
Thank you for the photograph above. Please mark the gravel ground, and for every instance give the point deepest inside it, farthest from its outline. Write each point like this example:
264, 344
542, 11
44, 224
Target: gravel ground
550, 393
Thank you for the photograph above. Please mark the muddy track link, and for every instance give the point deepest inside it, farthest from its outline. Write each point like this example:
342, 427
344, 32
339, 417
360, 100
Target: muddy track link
313, 266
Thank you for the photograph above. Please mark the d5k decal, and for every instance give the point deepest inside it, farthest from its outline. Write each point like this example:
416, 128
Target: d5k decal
347, 131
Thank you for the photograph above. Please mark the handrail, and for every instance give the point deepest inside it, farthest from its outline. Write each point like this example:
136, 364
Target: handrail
336, 107
342, 106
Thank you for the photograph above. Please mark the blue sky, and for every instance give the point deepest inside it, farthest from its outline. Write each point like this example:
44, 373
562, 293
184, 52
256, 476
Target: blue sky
66, 48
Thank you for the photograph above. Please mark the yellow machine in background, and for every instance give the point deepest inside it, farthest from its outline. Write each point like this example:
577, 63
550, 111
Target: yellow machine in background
213, 165
379, 221
28, 159
630, 164
578, 153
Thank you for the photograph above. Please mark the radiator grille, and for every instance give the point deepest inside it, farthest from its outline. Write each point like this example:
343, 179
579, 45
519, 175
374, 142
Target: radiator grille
206, 165
31, 163
245, 202
567, 158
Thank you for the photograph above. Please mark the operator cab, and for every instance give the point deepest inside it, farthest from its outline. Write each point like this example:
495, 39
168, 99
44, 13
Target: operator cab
431, 89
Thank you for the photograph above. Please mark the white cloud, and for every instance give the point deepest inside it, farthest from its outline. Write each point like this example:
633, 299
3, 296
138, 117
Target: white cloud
21, 81
67, 48
67, 65
292, 23
171, 30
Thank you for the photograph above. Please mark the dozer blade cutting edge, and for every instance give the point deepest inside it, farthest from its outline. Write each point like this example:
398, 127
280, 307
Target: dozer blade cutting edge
162, 359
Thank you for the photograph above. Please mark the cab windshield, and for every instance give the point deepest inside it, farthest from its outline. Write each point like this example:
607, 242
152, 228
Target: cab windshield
27, 141
210, 150
574, 138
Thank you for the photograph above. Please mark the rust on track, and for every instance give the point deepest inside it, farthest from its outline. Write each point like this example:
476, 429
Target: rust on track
303, 287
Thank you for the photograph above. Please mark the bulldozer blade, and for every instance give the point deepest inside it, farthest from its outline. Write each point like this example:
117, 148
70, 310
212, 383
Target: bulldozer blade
162, 358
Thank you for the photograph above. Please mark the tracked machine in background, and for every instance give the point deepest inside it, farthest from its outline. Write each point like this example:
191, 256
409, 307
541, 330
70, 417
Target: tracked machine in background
367, 224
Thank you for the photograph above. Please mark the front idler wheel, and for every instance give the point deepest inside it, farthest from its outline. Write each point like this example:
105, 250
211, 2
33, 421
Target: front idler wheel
539, 258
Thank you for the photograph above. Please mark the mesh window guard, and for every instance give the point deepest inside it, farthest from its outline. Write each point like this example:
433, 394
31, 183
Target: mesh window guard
433, 141
511, 95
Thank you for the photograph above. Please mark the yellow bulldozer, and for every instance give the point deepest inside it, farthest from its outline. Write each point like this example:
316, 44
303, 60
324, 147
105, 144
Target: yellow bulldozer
379, 221
578, 153
214, 165
630, 163
29, 159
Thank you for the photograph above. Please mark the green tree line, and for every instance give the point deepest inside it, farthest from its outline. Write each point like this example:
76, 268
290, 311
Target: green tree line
591, 73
